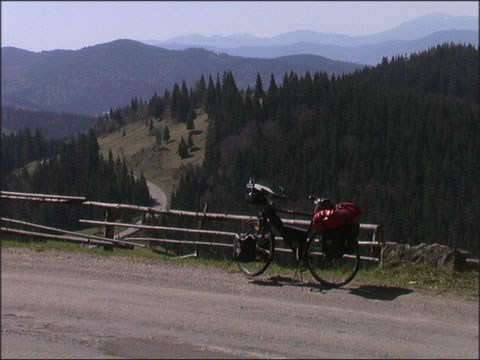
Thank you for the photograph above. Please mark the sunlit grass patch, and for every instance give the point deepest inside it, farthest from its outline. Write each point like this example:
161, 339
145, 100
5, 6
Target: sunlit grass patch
421, 277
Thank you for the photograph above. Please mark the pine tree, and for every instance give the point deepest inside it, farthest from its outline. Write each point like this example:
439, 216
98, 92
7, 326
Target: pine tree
271, 101
184, 104
259, 92
156, 107
182, 148
258, 100
210, 101
175, 102
191, 117
201, 92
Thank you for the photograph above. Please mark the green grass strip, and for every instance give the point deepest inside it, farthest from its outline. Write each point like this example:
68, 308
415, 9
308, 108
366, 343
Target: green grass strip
414, 277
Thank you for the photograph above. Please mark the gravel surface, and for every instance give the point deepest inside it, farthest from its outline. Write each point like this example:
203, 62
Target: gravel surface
59, 305
160, 202
158, 195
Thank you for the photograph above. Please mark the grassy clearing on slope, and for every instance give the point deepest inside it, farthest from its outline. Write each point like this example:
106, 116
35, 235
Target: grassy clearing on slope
160, 164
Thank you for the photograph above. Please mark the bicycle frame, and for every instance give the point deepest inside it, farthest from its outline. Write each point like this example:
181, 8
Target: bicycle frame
295, 237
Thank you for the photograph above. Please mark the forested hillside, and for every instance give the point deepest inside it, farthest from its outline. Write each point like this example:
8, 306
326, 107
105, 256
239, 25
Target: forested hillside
51, 124
24, 147
400, 139
72, 168
448, 70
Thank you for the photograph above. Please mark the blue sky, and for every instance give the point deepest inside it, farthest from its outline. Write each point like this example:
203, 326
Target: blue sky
39, 25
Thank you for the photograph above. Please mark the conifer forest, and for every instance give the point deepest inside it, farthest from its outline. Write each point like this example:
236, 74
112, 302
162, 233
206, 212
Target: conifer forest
400, 139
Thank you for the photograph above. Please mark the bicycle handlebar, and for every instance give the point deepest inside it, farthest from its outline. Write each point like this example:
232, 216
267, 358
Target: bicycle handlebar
252, 186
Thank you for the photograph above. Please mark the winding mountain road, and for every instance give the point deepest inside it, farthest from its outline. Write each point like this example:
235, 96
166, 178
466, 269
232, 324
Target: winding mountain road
160, 202
158, 195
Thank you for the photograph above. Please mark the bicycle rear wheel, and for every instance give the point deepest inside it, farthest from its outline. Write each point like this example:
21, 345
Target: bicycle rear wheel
334, 271
264, 248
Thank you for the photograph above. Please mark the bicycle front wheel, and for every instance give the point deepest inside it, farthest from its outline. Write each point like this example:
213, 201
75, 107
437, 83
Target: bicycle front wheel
334, 271
264, 248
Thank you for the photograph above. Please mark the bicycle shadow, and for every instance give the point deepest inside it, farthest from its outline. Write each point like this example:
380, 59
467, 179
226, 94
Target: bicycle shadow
375, 292
279, 281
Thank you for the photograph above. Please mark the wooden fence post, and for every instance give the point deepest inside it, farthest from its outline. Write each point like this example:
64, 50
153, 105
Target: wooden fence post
109, 230
200, 223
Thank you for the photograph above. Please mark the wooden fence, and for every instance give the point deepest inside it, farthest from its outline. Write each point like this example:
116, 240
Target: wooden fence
109, 240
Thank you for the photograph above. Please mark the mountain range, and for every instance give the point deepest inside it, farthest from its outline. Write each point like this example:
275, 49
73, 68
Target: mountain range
410, 30
412, 36
369, 54
105, 76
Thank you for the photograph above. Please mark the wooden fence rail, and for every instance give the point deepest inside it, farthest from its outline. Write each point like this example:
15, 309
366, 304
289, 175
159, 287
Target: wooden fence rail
155, 227
41, 197
195, 231
376, 241
53, 237
91, 237
209, 232
201, 215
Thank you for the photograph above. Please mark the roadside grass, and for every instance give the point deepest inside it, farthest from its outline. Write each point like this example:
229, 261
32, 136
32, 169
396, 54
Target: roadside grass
139, 254
423, 279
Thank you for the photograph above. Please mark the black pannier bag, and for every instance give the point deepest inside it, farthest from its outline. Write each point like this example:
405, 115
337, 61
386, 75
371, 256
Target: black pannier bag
244, 247
337, 242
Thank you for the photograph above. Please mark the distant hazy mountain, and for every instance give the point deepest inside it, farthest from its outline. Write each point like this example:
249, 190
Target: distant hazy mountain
412, 36
364, 54
423, 26
236, 40
411, 30
98, 78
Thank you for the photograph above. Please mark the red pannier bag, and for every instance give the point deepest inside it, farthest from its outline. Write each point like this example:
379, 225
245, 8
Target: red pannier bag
343, 214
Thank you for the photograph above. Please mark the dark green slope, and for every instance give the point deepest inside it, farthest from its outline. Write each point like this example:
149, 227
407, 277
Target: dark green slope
400, 139
53, 125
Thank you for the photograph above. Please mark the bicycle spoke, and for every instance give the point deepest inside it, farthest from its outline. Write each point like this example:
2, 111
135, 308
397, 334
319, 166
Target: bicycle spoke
332, 270
264, 249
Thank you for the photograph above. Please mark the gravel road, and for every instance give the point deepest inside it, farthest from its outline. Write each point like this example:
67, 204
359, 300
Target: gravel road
158, 195
160, 202
58, 305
